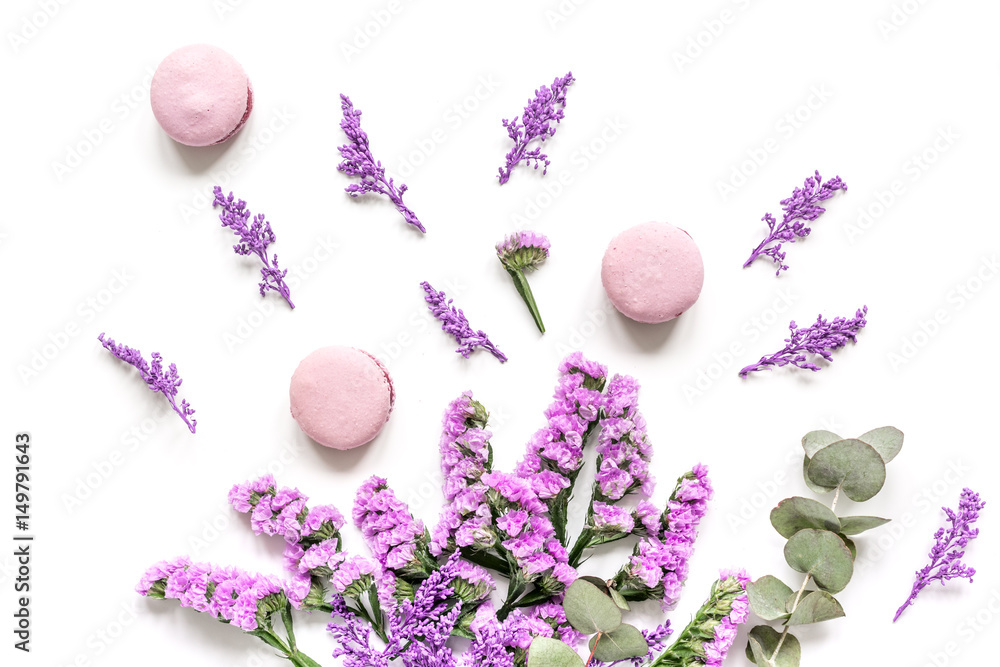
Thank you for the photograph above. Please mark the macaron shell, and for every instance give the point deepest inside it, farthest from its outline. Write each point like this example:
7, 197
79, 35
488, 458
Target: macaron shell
653, 272
200, 95
341, 397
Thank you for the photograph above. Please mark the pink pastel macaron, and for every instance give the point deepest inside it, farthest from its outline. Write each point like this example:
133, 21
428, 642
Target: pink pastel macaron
341, 396
200, 95
652, 272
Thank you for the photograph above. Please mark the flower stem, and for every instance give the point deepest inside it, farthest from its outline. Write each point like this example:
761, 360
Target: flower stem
522, 287
597, 640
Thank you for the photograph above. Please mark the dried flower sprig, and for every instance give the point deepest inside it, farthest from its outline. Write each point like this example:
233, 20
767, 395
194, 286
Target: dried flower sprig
254, 239
157, 379
822, 338
949, 548
358, 161
800, 208
520, 252
538, 121
454, 322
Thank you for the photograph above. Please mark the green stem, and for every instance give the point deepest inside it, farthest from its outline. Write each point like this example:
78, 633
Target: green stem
286, 618
521, 284
795, 604
488, 560
576, 553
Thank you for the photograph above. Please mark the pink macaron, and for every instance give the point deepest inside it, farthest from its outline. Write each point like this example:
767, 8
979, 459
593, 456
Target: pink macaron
200, 95
652, 272
341, 396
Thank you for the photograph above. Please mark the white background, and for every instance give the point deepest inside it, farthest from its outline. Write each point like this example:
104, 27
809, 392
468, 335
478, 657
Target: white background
870, 87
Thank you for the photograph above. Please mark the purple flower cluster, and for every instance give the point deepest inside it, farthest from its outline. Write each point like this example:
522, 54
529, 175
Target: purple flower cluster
802, 207
454, 322
521, 252
623, 451
538, 121
358, 161
165, 382
229, 594
739, 609
949, 547
254, 239
822, 338
396, 539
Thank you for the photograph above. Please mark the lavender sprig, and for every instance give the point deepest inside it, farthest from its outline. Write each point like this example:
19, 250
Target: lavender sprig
522, 252
158, 380
254, 240
358, 161
949, 548
800, 208
453, 322
538, 121
822, 338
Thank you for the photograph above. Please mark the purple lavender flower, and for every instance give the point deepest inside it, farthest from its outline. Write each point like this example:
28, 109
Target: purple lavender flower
822, 338
397, 540
254, 240
949, 547
800, 208
538, 121
158, 380
521, 252
358, 161
453, 322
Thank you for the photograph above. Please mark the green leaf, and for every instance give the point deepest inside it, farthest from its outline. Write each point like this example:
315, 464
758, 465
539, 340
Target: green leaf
813, 441
546, 652
589, 610
816, 607
849, 543
597, 581
625, 642
815, 488
852, 465
619, 600
855, 525
763, 639
793, 514
887, 441
822, 555
767, 597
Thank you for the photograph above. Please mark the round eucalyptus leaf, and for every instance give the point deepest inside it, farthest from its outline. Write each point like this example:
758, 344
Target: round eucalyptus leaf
822, 555
813, 441
546, 652
815, 488
852, 465
589, 610
855, 525
767, 597
816, 607
793, 514
597, 581
887, 441
625, 642
849, 543
763, 639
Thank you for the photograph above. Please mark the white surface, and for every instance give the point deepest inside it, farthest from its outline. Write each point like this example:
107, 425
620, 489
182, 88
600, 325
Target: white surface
136, 207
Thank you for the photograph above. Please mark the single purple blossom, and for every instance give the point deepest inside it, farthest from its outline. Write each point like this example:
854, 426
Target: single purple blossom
949, 547
453, 322
254, 239
538, 121
157, 379
800, 208
522, 252
822, 338
358, 161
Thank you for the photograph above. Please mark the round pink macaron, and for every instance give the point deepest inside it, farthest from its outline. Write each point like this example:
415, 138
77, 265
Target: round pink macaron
652, 272
341, 397
200, 95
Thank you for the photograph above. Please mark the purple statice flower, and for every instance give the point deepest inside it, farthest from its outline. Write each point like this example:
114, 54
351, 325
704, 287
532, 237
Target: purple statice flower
658, 566
453, 322
520, 252
822, 338
949, 547
358, 161
538, 121
157, 379
802, 207
396, 539
254, 239
623, 450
